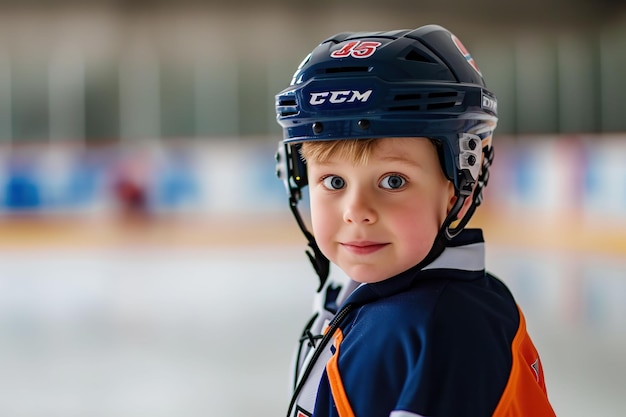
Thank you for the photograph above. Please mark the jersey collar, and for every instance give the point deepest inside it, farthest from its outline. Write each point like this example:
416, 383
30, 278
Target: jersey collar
462, 258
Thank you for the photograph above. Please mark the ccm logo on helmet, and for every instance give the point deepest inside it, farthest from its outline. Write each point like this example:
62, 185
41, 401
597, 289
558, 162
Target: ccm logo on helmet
490, 103
338, 97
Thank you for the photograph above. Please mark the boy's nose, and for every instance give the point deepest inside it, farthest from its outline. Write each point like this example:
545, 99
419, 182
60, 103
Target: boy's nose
359, 210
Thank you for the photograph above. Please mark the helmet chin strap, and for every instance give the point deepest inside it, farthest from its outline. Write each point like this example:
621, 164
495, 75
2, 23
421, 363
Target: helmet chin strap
320, 263
446, 228
446, 233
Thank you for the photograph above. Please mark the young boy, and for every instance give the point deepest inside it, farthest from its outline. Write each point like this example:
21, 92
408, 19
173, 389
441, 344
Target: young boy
392, 133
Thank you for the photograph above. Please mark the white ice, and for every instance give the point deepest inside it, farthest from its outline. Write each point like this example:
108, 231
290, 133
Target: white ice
209, 332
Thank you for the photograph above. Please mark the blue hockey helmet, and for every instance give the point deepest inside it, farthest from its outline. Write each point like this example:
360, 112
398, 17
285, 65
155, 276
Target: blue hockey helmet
404, 83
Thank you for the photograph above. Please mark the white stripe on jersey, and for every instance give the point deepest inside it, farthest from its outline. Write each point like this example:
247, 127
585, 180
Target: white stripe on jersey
468, 258
400, 413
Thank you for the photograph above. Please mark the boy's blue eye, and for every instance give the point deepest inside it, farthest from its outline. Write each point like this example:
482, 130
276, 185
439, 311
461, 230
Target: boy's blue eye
333, 182
392, 182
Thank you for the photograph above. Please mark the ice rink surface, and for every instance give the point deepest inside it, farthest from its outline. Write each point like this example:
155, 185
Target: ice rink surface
209, 331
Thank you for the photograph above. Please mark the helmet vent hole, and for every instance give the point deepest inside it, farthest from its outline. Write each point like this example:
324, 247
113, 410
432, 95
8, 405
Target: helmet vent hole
402, 97
440, 94
442, 100
287, 106
438, 106
435, 100
414, 55
287, 102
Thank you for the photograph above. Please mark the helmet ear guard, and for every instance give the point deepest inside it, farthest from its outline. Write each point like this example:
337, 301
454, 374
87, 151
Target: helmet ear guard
291, 169
474, 180
469, 159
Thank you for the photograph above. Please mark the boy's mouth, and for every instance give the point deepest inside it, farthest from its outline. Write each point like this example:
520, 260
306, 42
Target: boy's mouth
363, 247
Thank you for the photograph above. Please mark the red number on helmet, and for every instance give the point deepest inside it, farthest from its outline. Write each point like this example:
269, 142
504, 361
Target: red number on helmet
356, 49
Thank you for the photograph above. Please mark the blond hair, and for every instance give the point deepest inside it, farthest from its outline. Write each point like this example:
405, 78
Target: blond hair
356, 151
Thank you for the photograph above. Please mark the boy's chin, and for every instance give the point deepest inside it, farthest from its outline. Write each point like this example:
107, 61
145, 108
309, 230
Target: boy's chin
366, 274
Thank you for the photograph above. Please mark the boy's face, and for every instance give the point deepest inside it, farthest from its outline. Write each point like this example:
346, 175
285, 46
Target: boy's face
378, 219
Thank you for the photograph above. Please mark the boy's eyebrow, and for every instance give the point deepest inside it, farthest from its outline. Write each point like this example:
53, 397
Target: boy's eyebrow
388, 158
400, 158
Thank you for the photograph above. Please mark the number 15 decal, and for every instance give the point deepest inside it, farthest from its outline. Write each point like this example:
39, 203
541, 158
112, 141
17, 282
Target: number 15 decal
356, 49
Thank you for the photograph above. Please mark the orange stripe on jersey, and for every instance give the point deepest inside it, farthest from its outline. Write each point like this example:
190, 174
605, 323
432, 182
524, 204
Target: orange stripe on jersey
336, 384
525, 392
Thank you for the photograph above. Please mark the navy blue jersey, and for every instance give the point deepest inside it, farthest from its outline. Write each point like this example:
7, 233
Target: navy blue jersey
443, 340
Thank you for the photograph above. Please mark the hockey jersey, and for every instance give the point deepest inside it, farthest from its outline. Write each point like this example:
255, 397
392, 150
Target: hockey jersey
441, 340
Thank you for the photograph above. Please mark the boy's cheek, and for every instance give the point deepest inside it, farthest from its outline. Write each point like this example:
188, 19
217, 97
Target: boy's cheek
321, 222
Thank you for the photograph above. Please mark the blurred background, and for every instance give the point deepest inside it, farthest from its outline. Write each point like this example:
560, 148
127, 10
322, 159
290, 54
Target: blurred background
149, 264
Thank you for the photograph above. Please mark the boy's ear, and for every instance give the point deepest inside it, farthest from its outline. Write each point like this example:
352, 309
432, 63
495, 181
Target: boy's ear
466, 204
